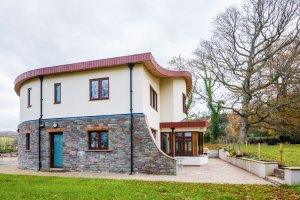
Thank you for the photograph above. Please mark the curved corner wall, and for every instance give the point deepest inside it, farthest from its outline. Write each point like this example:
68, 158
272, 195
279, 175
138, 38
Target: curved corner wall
76, 156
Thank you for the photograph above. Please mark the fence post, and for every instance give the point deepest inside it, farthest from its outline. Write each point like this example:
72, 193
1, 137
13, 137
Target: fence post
259, 151
281, 151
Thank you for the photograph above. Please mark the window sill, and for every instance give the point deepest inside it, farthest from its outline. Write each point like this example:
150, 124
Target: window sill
29, 106
99, 150
99, 99
27, 150
57, 103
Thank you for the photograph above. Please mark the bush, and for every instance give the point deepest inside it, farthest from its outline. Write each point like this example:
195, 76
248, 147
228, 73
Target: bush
268, 140
272, 142
207, 137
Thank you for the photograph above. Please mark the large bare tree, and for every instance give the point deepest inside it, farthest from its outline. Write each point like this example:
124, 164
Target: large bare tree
241, 51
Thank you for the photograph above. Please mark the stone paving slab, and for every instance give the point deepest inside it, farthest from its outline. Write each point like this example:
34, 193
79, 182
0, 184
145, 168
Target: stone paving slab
216, 171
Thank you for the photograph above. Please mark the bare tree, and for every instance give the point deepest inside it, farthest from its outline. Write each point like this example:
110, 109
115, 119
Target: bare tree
242, 48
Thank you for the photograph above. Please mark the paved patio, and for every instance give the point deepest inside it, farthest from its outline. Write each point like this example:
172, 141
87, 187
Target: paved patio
216, 171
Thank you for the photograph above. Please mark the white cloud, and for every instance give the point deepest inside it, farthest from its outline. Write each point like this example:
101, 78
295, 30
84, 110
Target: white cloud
37, 33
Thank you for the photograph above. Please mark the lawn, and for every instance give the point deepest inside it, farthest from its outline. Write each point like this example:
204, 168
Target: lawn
37, 187
291, 152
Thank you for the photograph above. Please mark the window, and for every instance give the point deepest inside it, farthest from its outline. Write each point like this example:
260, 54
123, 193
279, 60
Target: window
98, 140
99, 89
153, 98
165, 143
29, 97
57, 93
27, 141
184, 103
183, 144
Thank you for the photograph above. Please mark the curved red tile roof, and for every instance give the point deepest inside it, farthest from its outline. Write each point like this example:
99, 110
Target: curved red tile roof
145, 58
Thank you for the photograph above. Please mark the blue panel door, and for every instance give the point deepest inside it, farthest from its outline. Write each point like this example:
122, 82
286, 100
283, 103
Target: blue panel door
58, 150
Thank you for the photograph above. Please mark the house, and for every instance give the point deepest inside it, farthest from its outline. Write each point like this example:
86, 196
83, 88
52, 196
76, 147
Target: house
123, 114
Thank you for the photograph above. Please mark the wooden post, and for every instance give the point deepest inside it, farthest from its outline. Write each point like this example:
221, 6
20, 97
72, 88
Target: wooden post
259, 151
281, 151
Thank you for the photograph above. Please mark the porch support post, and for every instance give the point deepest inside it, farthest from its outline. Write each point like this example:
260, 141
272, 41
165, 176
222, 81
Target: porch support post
172, 142
202, 142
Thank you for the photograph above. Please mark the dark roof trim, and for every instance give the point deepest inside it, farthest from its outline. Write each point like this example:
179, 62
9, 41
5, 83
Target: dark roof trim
184, 124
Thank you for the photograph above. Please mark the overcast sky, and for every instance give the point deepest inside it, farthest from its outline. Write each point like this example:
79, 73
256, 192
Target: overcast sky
37, 34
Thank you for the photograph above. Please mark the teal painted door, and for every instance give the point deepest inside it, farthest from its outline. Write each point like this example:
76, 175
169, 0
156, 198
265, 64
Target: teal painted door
58, 150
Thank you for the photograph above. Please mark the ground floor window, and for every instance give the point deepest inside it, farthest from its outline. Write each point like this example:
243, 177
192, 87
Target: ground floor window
98, 140
27, 141
183, 143
165, 143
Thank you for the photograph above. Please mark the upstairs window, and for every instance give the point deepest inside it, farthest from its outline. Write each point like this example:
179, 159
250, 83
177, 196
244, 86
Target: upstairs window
99, 89
27, 141
57, 93
184, 103
29, 97
98, 140
153, 98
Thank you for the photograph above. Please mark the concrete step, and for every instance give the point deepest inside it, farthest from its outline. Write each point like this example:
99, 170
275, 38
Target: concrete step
274, 180
57, 170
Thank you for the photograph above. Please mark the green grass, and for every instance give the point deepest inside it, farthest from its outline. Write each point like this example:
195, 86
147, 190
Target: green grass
291, 152
8, 144
37, 187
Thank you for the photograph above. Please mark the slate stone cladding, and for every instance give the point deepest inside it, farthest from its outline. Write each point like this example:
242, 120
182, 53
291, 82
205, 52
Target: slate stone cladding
76, 156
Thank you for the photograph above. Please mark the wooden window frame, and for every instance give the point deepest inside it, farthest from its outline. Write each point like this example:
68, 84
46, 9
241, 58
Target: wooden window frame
184, 103
183, 139
153, 98
99, 140
55, 93
99, 89
27, 142
29, 97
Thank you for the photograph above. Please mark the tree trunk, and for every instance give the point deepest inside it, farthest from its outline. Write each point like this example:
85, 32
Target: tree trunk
244, 129
244, 119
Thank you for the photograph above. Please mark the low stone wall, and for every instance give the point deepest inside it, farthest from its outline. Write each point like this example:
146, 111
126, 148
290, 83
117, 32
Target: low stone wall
213, 153
279, 173
292, 175
259, 168
76, 156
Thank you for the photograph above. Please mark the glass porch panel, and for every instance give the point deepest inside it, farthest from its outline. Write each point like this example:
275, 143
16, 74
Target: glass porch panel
165, 143
179, 147
188, 147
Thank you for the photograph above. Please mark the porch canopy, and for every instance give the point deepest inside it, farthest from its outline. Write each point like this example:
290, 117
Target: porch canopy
184, 138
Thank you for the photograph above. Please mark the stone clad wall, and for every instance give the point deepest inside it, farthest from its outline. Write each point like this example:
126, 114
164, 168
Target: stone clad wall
76, 157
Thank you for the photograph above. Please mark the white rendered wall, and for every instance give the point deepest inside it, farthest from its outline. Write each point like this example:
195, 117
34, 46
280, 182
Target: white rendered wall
166, 100
75, 94
153, 116
172, 90
179, 88
33, 112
